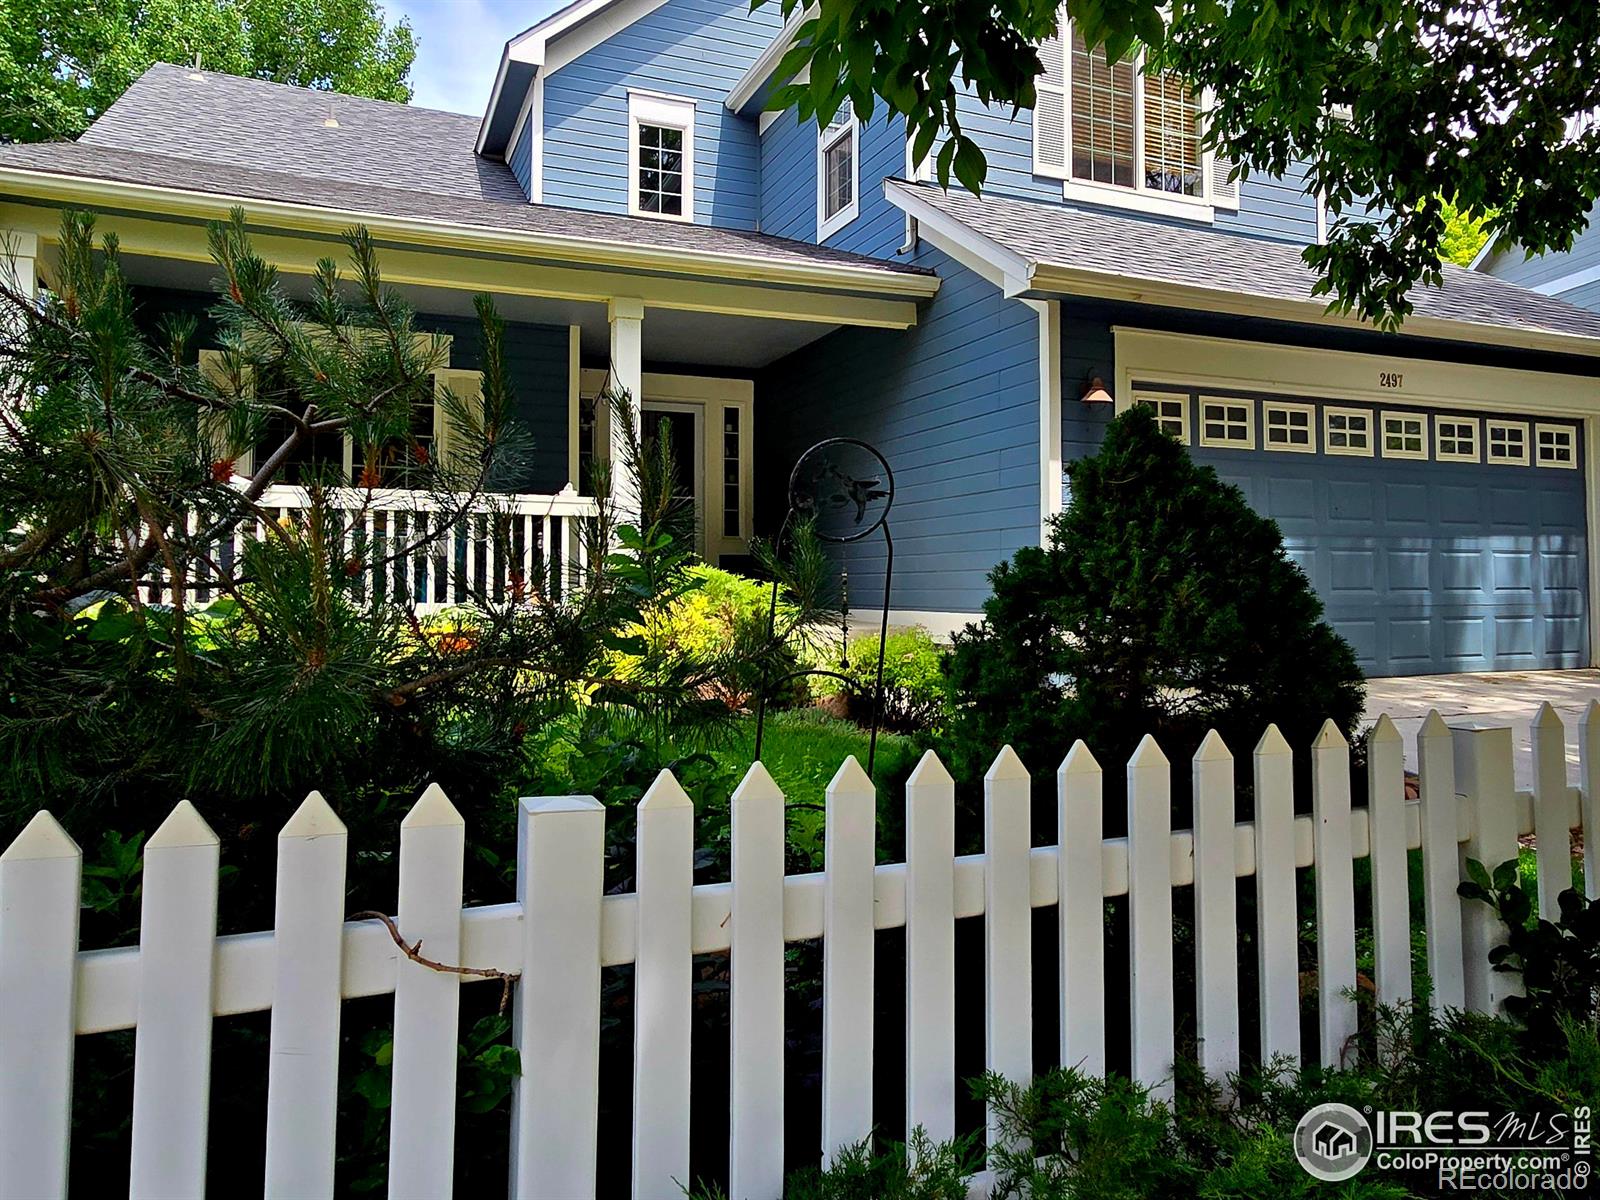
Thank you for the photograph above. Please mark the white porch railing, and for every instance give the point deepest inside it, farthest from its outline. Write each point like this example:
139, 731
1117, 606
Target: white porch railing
428, 550
561, 931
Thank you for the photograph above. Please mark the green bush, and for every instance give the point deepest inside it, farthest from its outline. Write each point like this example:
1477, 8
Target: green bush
914, 694
1162, 604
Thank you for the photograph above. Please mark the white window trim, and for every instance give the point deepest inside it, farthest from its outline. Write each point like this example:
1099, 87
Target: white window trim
1271, 406
1350, 451
1490, 426
1477, 439
1383, 435
667, 112
1224, 443
1571, 434
1151, 397
826, 139
1138, 198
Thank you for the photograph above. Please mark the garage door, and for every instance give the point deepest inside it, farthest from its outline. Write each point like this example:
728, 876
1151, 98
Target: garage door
1439, 541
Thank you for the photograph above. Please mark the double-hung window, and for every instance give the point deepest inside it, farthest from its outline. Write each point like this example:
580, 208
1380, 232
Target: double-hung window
838, 174
660, 156
1116, 133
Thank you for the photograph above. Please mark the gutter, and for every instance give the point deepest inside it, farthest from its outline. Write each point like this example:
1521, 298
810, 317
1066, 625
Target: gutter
442, 234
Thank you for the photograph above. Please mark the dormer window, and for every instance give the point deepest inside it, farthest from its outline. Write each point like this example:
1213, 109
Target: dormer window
1120, 135
660, 156
838, 174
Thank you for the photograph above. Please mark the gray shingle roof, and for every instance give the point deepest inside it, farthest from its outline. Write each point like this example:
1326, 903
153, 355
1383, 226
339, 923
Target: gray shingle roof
88, 161
1172, 253
182, 113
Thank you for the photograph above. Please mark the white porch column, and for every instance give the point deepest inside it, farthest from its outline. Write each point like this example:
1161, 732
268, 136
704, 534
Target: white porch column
626, 315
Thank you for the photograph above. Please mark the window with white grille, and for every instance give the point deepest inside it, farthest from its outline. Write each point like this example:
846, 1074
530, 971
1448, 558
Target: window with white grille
660, 157
1288, 427
1347, 431
1172, 412
1506, 443
1455, 439
838, 174
1227, 423
1405, 435
1555, 446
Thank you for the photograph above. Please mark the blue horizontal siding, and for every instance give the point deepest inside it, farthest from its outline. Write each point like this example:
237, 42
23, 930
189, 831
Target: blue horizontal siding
789, 178
879, 229
953, 404
521, 159
692, 49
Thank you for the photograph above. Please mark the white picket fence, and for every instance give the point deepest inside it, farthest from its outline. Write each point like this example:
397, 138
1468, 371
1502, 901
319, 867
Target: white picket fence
561, 931
428, 551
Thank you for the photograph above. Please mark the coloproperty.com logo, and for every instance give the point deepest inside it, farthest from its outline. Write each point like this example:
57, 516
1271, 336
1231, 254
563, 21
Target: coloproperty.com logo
1459, 1151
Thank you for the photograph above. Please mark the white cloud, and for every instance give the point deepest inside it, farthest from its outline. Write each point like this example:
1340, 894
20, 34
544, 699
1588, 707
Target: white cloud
459, 44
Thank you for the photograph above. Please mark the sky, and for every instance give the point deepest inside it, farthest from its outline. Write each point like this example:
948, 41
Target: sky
459, 44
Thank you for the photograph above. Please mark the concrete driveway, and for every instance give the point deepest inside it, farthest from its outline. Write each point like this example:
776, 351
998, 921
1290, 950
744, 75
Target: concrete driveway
1503, 698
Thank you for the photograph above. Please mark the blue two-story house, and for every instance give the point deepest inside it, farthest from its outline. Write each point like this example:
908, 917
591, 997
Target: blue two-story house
641, 216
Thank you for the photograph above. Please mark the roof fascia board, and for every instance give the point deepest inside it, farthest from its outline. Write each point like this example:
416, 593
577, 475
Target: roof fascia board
575, 38
1004, 268
1047, 280
1565, 283
447, 235
753, 80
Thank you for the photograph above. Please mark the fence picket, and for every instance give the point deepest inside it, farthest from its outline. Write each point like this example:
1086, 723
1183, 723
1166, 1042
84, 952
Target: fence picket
1080, 890
755, 1125
663, 989
1150, 916
1216, 923
849, 842
427, 1003
1551, 819
555, 1101
930, 950
1483, 776
1277, 916
1441, 863
40, 876
172, 1049
1386, 839
1335, 886
303, 1062
1589, 777
1007, 927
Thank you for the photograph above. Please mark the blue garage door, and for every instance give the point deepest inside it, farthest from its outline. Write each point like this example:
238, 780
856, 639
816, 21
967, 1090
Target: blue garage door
1438, 541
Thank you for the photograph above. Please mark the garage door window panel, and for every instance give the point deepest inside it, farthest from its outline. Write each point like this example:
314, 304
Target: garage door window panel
1227, 424
1405, 435
1455, 439
1347, 431
1556, 446
1289, 427
1172, 412
1506, 443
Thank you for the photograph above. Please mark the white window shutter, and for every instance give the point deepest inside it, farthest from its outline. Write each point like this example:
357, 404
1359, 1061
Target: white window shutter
1222, 191
1050, 112
214, 425
467, 387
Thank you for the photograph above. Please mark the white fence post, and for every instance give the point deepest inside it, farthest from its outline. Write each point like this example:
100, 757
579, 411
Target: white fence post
850, 846
40, 874
1441, 863
1483, 773
1007, 927
1589, 780
1150, 916
930, 950
755, 1123
1386, 842
427, 1003
172, 1048
555, 1101
303, 1058
663, 989
1216, 921
1336, 915
1277, 915
1551, 811
1080, 892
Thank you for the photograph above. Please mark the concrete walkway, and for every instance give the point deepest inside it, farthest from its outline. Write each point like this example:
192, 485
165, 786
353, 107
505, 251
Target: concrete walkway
1504, 698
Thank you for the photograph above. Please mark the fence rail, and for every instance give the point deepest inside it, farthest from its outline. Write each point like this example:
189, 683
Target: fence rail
429, 551
561, 931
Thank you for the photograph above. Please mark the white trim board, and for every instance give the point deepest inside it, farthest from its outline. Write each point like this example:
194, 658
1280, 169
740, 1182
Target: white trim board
1210, 362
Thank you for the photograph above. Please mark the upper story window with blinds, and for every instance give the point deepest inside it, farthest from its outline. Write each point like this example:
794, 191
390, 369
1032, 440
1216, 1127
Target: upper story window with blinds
1117, 134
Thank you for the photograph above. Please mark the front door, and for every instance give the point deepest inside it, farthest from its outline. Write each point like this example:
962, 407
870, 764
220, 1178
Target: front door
678, 426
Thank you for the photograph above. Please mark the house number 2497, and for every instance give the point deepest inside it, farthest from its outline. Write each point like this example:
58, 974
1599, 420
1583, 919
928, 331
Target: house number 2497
1391, 379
